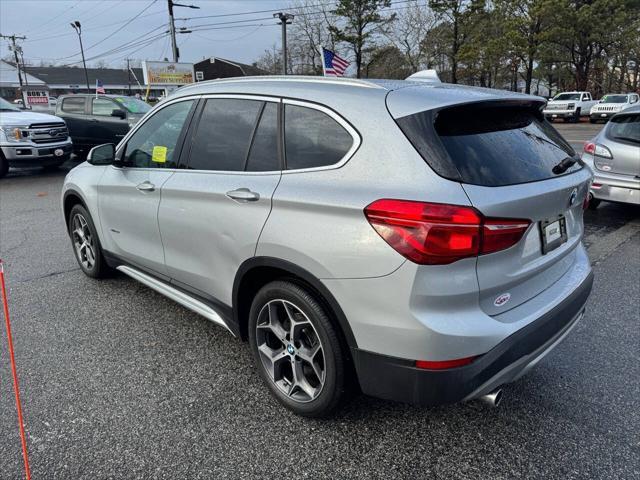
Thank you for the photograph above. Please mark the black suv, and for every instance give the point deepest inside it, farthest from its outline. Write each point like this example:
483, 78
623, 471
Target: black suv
96, 119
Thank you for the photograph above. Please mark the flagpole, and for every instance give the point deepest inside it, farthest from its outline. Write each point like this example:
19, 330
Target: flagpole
324, 73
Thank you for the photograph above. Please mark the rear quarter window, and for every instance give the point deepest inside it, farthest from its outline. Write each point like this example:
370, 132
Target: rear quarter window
313, 139
488, 145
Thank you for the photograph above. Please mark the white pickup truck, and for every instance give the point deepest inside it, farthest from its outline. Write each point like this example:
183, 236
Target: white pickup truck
570, 106
30, 139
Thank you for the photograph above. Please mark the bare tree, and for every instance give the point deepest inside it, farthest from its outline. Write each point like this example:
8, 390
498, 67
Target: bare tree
308, 33
270, 60
409, 31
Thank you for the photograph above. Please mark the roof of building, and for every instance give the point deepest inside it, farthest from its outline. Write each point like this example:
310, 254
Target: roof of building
9, 76
75, 75
246, 69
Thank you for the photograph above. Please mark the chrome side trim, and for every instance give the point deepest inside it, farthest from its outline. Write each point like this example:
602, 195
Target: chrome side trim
176, 295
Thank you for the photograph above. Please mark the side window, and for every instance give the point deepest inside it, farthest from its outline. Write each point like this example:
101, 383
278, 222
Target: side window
102, 106
221, 141
73, 105
313, 139
263, 156
154, 144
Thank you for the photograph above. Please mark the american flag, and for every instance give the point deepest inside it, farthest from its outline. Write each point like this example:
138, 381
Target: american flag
100, 87
333, 65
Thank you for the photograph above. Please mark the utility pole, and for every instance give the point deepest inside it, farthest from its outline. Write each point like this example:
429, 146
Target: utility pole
15, 48
172, 27
284, 21
78, 29
129, 76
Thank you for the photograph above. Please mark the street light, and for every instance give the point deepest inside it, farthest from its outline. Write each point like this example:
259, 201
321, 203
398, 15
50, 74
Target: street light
284, 21
78, 29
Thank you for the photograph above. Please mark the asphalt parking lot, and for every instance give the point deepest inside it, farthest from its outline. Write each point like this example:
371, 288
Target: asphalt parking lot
119, 382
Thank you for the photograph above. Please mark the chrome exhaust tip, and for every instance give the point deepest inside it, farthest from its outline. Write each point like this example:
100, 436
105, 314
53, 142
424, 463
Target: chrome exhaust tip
493, 399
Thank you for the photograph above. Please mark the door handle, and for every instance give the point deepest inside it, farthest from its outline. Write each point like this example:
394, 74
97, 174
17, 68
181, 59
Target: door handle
243, 195
146, 187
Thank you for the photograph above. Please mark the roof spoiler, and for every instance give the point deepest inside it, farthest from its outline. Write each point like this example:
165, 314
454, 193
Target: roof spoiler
429, 76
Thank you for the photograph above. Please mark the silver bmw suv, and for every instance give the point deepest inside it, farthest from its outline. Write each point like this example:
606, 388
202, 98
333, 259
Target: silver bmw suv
417, 242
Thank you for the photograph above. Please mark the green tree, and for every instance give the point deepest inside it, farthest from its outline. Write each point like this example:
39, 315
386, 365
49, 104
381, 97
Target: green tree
461, 16
584, 30
361, 21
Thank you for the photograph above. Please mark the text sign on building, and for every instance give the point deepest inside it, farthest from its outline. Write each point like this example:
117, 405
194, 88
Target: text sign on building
37, 97
165, 74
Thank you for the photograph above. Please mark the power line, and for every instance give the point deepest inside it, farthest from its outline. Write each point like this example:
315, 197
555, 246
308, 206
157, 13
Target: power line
112, 33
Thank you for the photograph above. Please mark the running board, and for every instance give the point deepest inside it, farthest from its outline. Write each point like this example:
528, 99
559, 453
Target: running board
176, 295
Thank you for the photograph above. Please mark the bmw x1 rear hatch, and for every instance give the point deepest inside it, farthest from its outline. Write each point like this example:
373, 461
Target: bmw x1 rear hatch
514, 165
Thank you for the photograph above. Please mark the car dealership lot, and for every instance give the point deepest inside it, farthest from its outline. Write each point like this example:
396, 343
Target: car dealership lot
119, 382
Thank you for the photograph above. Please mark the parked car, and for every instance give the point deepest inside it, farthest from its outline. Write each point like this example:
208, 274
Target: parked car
94, 120
421, 241
614, 157
611, 104
29, 139
569, 106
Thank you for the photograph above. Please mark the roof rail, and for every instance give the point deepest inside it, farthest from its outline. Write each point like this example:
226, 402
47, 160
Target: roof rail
354, 82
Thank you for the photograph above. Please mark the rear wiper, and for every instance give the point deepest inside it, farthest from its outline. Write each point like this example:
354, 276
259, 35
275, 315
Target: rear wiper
628, 139
564, 165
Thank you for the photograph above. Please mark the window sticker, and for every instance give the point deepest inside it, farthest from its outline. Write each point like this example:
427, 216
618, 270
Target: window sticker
159, 154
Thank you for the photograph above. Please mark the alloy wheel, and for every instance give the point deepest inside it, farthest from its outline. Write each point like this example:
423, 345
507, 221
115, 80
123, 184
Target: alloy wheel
83, 241
290, 350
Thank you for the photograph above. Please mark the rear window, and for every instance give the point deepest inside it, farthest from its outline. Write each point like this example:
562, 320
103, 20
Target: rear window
73, 105
489, 145
625, 128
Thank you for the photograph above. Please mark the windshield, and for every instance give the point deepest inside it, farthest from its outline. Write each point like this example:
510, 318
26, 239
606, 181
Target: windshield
133, 105
614, 99
7, 107
567, 96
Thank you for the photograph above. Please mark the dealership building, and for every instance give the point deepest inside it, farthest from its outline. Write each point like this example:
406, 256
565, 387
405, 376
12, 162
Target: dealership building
66, 80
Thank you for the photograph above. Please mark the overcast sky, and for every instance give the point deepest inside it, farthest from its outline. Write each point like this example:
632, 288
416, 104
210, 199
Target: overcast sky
46, 24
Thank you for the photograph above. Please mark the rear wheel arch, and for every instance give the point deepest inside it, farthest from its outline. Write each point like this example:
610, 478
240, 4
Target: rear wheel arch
256, 272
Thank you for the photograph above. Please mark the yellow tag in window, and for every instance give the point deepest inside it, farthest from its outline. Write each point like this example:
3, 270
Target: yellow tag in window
159, 154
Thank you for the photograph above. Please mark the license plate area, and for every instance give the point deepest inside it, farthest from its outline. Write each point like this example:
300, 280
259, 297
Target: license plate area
553, 233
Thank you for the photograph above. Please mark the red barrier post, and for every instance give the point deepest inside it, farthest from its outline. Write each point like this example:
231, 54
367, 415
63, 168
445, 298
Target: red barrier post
5, 305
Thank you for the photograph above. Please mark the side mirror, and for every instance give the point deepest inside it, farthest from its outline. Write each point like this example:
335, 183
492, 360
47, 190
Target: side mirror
119, 113
102, 154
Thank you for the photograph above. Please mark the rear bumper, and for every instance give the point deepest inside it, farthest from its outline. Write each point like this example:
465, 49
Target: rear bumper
613, 193
397, 379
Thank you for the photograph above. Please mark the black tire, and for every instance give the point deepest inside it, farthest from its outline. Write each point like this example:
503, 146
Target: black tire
591, 120
593, 202
333, 357
4, 166
98, 268
576, 118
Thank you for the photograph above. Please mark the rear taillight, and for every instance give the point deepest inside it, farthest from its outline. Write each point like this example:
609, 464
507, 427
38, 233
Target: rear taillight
596, 149
438, 234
